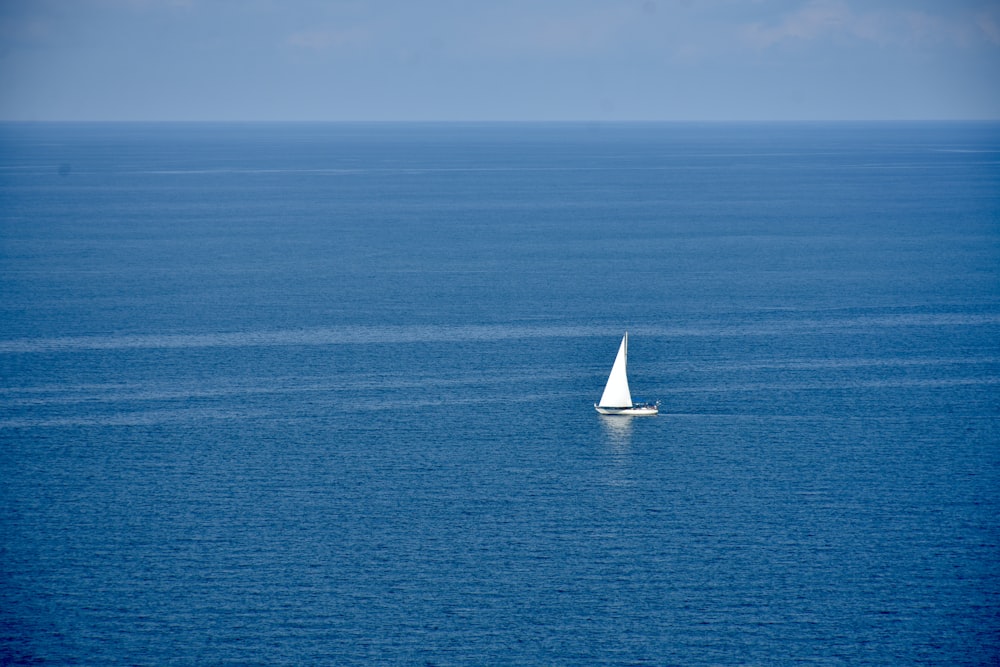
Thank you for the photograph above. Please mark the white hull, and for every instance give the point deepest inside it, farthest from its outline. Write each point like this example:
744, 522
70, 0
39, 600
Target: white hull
635, 411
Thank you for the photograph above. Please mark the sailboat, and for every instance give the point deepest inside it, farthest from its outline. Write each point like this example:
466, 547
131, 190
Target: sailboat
616, 399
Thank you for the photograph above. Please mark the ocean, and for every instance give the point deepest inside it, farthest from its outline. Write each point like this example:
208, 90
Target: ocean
290, 394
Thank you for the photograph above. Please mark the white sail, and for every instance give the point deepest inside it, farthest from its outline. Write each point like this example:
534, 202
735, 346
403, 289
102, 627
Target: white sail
616, 393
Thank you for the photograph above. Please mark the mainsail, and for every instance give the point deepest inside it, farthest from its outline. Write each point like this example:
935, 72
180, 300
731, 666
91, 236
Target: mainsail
616, 393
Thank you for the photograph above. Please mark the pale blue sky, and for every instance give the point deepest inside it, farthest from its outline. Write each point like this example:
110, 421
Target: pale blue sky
503, 60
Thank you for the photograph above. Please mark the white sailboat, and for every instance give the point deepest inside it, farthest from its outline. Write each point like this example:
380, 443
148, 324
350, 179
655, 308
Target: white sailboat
617, 399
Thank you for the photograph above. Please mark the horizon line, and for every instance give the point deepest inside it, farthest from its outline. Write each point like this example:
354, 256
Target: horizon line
497, 121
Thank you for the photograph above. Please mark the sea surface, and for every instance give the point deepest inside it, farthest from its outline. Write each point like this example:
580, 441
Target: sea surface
293, 394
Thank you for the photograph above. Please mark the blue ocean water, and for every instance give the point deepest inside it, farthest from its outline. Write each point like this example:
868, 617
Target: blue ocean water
322, 394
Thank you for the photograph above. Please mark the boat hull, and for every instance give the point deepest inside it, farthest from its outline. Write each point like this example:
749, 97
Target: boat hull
634, 411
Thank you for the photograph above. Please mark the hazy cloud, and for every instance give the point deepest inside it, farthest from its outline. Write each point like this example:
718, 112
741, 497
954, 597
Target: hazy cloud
809, 22
323, 39
989, 23
550, 33
147, 4
24, 30
823, 19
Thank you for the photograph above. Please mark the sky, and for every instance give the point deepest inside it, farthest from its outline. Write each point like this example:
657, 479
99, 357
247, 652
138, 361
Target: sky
506, 60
